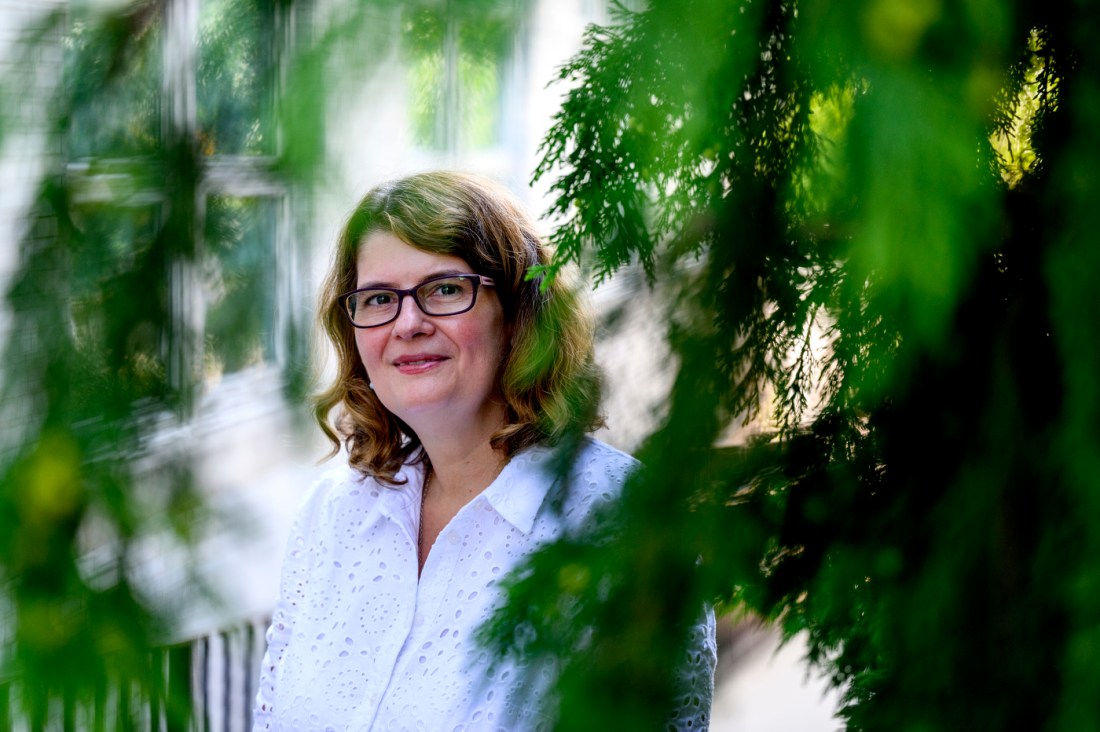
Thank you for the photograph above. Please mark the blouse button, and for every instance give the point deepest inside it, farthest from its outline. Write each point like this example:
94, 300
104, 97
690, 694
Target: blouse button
453, 537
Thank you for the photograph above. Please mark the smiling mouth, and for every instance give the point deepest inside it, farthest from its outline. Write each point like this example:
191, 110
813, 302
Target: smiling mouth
418, 362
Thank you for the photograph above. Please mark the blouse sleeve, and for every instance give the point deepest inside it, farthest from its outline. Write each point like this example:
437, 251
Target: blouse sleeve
293, 589
696, 674
697, 677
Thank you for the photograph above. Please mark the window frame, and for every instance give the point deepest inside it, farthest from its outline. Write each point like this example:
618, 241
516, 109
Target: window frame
109, 180
449, 125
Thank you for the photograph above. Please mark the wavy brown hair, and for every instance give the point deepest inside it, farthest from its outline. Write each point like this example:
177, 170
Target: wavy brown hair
549, 380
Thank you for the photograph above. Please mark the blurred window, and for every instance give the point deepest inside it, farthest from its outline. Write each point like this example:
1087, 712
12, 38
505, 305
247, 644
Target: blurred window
119, 71
238, 284
206, 69
458, 58
234, 79
123, 267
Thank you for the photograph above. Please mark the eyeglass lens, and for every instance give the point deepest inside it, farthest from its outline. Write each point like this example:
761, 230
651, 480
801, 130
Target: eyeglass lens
445, 296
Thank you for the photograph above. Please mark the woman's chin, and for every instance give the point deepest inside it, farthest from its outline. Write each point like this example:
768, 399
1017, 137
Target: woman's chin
440, 415
416, 409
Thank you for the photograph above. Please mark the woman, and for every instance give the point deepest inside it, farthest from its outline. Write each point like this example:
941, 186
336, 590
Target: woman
456, 374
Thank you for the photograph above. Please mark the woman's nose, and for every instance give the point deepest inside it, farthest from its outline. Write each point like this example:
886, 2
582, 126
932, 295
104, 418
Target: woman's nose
411, 320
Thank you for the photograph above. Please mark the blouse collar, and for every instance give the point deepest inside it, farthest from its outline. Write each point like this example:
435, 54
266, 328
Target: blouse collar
519, 491
516, 494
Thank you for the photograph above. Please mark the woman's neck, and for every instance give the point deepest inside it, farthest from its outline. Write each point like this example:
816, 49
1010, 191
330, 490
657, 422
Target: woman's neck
462, 471
463, 461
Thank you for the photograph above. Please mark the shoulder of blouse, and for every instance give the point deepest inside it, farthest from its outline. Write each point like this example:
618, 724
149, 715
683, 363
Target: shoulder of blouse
594, 457
594, 477
612, 464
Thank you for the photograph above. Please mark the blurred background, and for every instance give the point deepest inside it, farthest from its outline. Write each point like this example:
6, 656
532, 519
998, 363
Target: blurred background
172, 177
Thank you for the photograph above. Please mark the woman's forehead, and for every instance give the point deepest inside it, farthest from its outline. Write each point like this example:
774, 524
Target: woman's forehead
383, 258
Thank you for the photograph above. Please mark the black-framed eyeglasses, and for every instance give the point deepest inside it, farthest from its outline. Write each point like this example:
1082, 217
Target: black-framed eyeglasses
443, 295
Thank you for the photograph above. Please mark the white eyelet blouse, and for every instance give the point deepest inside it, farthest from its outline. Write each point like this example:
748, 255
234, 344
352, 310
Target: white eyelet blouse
357, 643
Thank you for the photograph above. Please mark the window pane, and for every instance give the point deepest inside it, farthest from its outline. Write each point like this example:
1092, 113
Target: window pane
238, 277
484, 50
113, 79
234, 78
457, 59
119, 293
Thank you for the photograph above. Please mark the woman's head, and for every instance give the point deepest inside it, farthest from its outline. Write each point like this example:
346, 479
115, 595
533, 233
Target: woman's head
546, 382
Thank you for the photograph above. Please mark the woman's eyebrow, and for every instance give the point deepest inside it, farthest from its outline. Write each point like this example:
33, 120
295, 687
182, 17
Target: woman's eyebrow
391, 285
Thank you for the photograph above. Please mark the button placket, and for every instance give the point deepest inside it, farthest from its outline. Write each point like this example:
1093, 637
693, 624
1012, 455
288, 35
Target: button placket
401, 582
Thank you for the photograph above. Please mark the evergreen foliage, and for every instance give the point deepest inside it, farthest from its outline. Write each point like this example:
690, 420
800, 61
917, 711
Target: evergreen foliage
874, 220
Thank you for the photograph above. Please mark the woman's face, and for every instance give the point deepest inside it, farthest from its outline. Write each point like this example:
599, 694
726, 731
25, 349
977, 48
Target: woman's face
433, 372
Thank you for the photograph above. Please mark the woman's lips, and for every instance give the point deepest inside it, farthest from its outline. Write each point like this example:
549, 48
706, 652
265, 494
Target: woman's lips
418, 363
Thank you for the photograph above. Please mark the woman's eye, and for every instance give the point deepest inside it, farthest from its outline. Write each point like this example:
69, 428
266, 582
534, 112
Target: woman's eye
378, 299
448, 289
